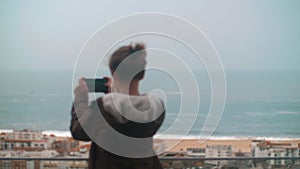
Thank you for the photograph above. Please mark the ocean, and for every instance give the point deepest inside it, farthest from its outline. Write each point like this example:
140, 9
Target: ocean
259, 104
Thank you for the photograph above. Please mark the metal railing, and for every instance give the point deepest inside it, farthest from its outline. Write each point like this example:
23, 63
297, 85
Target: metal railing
161, 158
167, 162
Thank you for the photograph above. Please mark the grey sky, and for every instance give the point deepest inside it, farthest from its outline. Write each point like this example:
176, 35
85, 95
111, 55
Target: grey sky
253, 34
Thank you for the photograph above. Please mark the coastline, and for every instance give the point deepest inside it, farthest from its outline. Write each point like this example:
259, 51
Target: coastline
61, 133
238, 145
177, 143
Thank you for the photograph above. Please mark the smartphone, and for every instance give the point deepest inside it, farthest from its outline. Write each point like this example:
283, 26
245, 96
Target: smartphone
97, 85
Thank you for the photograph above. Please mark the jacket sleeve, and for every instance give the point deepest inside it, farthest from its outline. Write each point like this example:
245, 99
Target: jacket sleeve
76, 128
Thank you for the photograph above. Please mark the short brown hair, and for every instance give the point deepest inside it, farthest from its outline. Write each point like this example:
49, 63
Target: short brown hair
136, 63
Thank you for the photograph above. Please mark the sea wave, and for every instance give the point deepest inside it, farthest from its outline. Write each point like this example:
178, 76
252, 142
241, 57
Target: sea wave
287, 112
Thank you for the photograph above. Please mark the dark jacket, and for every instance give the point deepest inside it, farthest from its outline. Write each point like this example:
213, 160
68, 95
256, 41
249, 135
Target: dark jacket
101, 158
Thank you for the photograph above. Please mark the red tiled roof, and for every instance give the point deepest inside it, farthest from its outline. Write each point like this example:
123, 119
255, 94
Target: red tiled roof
281, 144
270, 144
26, 141
291, 148
28, 148
75, 149
70, 138
88, 146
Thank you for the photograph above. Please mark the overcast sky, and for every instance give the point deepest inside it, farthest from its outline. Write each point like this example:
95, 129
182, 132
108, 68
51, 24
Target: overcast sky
250, 34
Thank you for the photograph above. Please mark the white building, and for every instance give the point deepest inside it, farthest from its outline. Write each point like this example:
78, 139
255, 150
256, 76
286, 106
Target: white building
195, 152
25, 135
19, 164
30, 165
218, 151
25, 140
263, 148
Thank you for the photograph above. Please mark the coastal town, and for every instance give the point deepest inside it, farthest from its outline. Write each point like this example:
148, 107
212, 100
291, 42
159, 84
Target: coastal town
28, 144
